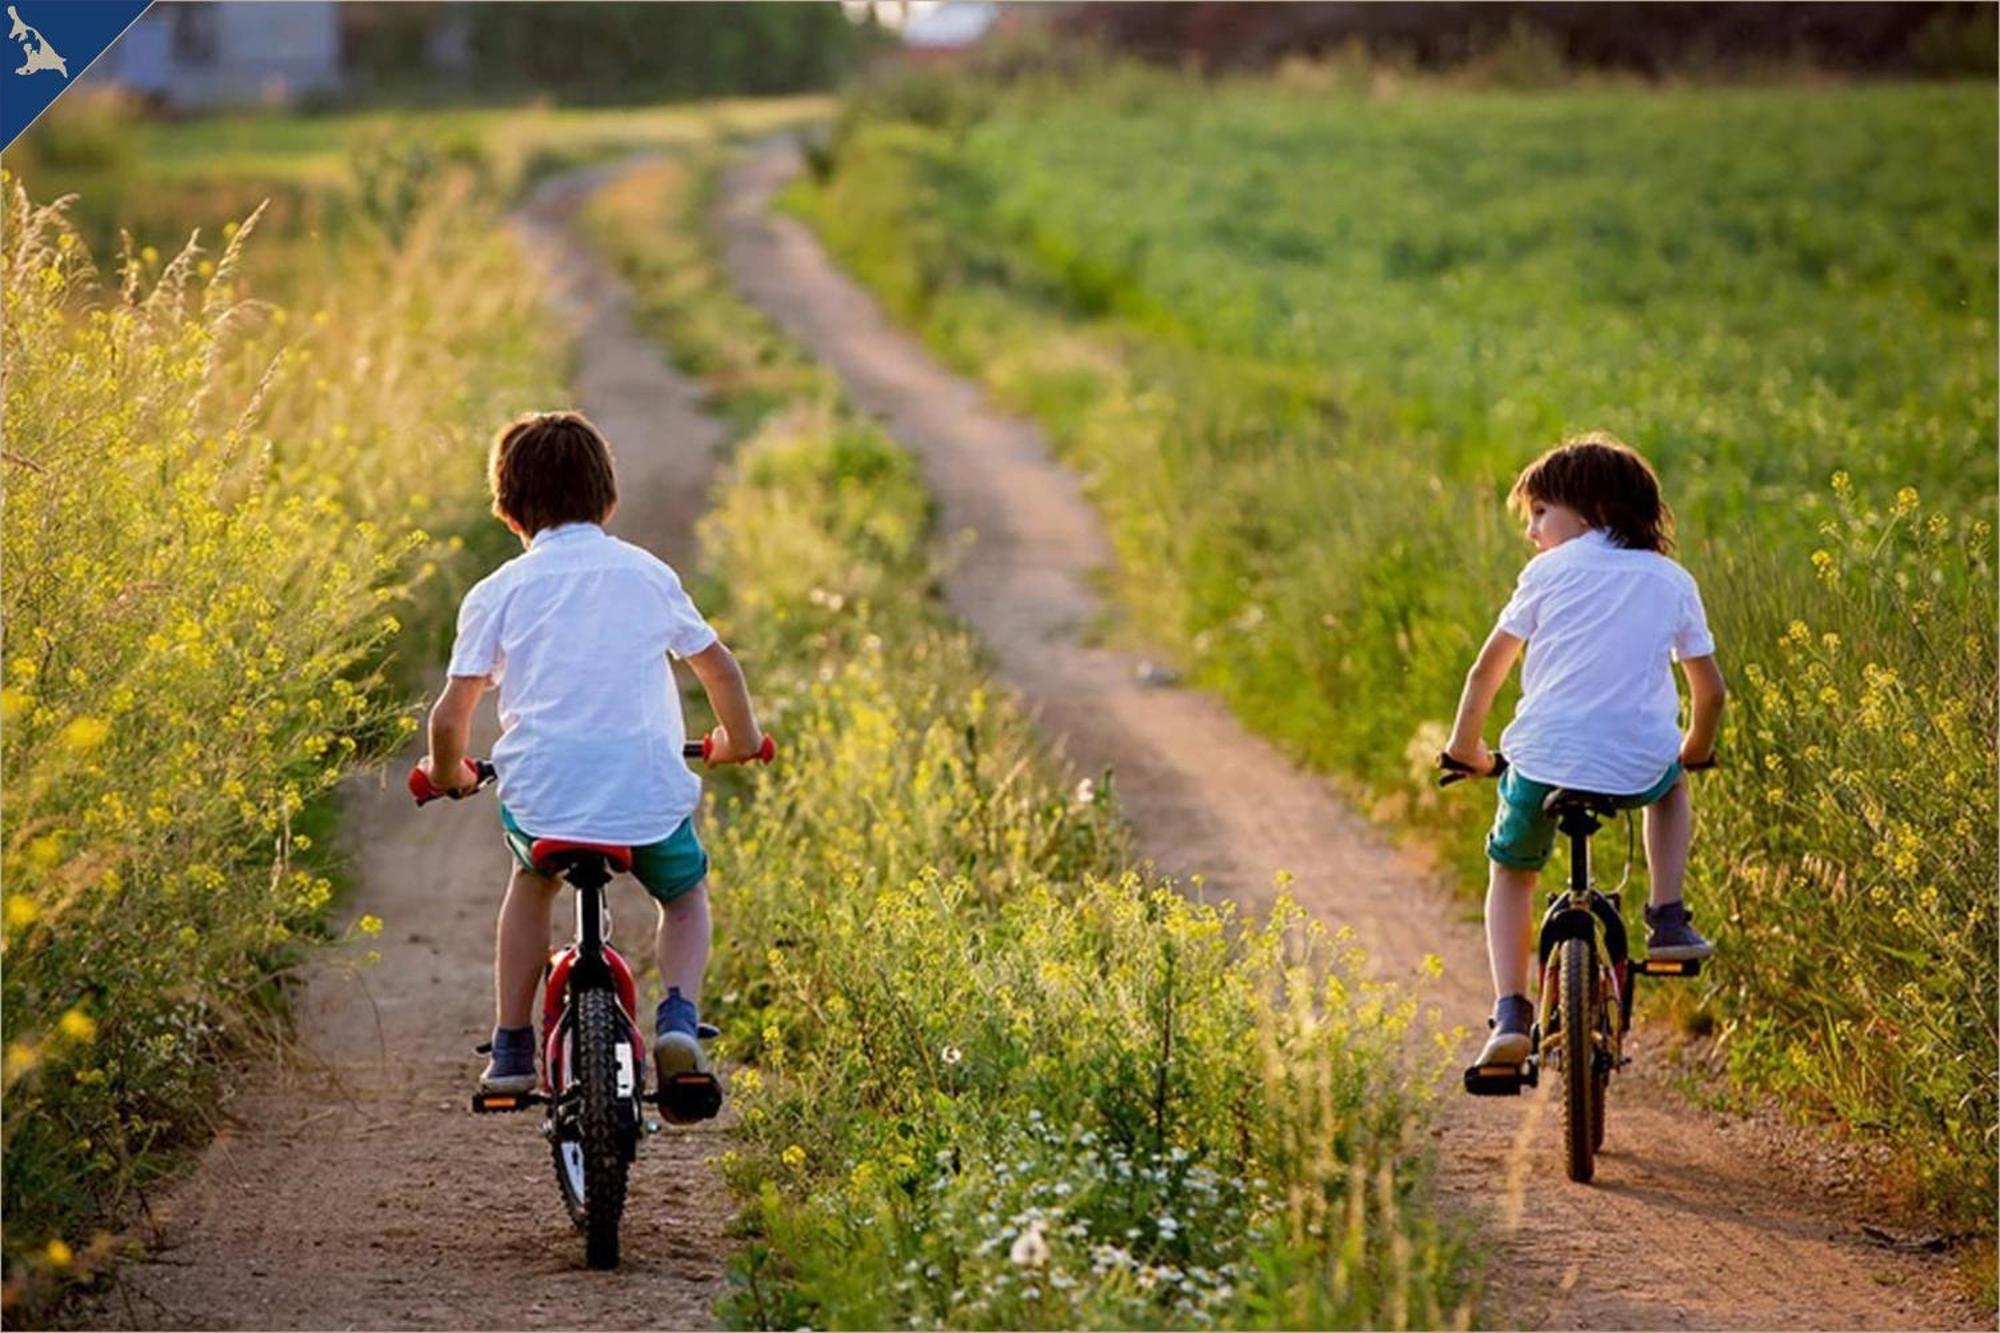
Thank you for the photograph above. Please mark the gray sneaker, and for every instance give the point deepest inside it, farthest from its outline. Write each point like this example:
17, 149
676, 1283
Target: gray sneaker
512, 1068
1669, 936
1511, 1041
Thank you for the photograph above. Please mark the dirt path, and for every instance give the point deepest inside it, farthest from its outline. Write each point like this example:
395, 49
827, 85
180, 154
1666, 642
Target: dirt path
1696, 1221
354, 1189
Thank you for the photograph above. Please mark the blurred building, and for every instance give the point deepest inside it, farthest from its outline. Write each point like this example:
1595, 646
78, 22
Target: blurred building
199, 54
945, 33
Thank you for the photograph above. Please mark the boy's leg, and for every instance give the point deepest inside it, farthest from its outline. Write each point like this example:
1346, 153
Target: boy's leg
680, 948
1510, 896
521, 946
1515, 851
1669, 831
681, 943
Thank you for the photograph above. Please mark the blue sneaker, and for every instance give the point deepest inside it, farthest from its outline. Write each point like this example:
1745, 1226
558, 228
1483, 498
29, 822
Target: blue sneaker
1511, 1042
676, 1045
512, 1068
1669, 936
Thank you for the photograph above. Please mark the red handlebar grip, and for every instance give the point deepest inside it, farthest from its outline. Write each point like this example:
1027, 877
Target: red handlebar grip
701, 749
421, 787
427, 791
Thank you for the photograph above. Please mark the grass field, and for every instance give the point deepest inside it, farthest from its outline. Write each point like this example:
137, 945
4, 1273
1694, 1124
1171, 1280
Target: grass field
994, 1079
1298, 343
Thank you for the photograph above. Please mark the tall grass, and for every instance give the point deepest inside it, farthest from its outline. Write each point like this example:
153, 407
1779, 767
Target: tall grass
216, 525
993, 1079
1296, 345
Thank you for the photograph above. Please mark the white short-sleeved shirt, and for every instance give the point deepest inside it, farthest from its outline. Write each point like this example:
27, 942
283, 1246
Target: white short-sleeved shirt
1603, 625
576, 632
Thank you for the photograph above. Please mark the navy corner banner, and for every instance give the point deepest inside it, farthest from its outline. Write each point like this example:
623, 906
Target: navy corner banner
49, 44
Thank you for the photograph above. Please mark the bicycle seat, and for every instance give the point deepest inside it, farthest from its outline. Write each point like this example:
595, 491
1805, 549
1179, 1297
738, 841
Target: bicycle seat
1566, 799
552, 856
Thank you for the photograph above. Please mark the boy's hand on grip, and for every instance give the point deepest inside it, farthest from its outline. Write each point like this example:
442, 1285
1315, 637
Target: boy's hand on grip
425, 786
719, 748
1476, 762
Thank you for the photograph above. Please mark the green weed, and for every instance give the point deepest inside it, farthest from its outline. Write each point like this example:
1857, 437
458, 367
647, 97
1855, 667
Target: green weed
214, 533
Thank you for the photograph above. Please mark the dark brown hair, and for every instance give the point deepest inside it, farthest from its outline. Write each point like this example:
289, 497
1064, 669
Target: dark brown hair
550, 468
1606, 482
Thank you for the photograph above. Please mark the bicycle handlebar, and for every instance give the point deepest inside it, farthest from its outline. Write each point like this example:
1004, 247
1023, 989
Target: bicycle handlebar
1453, 770
426, 791
700, 750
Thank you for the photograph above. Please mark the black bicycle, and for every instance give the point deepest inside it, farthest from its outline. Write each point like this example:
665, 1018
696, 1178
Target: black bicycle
1588, 976
594, 1054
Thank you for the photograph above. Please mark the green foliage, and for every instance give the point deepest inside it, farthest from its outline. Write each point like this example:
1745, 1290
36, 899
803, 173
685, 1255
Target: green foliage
995, 1083
1297, 346
622, 52
994, 1079
161, 179
213, 530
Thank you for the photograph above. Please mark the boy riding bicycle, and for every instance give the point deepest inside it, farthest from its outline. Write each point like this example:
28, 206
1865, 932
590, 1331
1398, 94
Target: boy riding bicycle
576, 632
1603, 613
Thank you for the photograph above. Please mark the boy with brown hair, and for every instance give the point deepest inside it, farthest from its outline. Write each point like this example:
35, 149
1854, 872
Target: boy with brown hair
575, 633
1603, 613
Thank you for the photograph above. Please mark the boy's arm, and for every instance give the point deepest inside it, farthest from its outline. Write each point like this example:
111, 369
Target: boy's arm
738, 738
451, 731
1482, 684
1705, 695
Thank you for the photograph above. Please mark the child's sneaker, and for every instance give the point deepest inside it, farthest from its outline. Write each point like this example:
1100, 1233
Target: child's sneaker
1511, 1042
512, 1068
676, 1043
1669, 936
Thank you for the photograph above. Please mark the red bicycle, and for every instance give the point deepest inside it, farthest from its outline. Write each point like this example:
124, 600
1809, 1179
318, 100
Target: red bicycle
594, 1055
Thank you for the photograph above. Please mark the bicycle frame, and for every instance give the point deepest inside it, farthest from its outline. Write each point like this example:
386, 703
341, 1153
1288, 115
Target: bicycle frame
1581, 912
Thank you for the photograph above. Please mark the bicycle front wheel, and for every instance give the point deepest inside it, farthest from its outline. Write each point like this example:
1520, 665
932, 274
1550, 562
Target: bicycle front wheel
1581, 1089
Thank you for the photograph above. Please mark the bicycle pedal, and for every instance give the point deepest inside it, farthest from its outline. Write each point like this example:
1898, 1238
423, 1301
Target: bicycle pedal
496, 1103
1669, 967
687, 1098
1501, 1080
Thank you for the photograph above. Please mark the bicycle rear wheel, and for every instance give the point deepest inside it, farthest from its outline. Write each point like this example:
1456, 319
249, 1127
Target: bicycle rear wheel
1581, 1087
592, 1159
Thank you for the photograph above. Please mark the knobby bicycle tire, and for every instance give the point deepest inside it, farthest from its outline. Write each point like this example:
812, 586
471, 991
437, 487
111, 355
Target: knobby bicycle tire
599, 1028
1579, 1066
1600, 1087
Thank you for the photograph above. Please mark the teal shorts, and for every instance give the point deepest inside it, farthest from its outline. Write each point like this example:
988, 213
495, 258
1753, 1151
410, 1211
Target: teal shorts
667, 868
1524, 834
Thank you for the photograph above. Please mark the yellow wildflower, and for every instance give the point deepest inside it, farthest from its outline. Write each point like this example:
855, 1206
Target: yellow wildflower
59, 1254
21, 910
78, 1026
84, 733
794, 1157
369, 925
